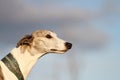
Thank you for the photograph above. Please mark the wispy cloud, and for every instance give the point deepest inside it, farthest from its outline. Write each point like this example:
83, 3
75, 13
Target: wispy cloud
87, 37
20, 11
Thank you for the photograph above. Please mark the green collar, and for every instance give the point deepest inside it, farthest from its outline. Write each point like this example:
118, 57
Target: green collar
13, 66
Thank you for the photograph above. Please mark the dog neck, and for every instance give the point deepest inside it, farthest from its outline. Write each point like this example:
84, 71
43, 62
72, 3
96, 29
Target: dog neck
25, 60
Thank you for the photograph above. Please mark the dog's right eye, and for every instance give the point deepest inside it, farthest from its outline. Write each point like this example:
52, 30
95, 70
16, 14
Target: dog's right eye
48, 36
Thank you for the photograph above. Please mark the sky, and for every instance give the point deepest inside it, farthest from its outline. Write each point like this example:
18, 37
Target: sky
93, 27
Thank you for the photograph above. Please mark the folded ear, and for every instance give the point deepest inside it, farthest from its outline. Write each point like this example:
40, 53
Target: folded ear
26, 40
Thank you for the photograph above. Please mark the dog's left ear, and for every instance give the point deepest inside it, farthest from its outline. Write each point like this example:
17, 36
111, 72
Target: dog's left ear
26, 40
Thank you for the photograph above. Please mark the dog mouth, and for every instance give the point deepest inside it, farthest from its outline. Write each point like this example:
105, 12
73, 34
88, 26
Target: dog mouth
55, 50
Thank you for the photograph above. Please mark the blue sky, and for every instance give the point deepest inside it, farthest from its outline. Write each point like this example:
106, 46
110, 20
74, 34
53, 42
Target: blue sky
93, 26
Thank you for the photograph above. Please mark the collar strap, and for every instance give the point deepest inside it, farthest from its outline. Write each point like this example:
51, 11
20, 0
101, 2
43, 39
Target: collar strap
13, 66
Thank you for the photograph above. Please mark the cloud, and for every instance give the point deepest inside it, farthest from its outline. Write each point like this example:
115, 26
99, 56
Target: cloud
20, 11
86, 37
9, 8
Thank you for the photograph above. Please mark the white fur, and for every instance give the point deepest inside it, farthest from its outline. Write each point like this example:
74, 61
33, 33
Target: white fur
39, 46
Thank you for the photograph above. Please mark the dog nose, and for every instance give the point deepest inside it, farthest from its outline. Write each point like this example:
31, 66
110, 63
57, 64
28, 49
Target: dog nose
68, 45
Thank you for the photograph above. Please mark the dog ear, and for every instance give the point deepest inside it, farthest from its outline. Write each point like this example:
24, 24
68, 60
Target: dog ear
26, 40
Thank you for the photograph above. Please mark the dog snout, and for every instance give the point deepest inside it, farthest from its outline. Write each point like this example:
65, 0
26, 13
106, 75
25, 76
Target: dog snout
68, 45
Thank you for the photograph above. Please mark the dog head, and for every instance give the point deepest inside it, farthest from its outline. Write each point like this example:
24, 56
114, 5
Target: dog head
45, 41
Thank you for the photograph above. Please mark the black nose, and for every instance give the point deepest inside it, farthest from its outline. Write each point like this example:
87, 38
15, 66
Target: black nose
68, 45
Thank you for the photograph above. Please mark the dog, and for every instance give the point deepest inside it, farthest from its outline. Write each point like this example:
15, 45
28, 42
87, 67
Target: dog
19, 62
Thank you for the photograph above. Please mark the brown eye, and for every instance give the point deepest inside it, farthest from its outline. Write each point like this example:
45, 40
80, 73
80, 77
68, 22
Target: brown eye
48, 36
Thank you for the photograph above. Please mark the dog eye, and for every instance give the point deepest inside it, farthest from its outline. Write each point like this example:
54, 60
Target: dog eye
48, 36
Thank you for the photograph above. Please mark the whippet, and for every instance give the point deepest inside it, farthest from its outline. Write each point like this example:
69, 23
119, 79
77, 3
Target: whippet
19, 62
